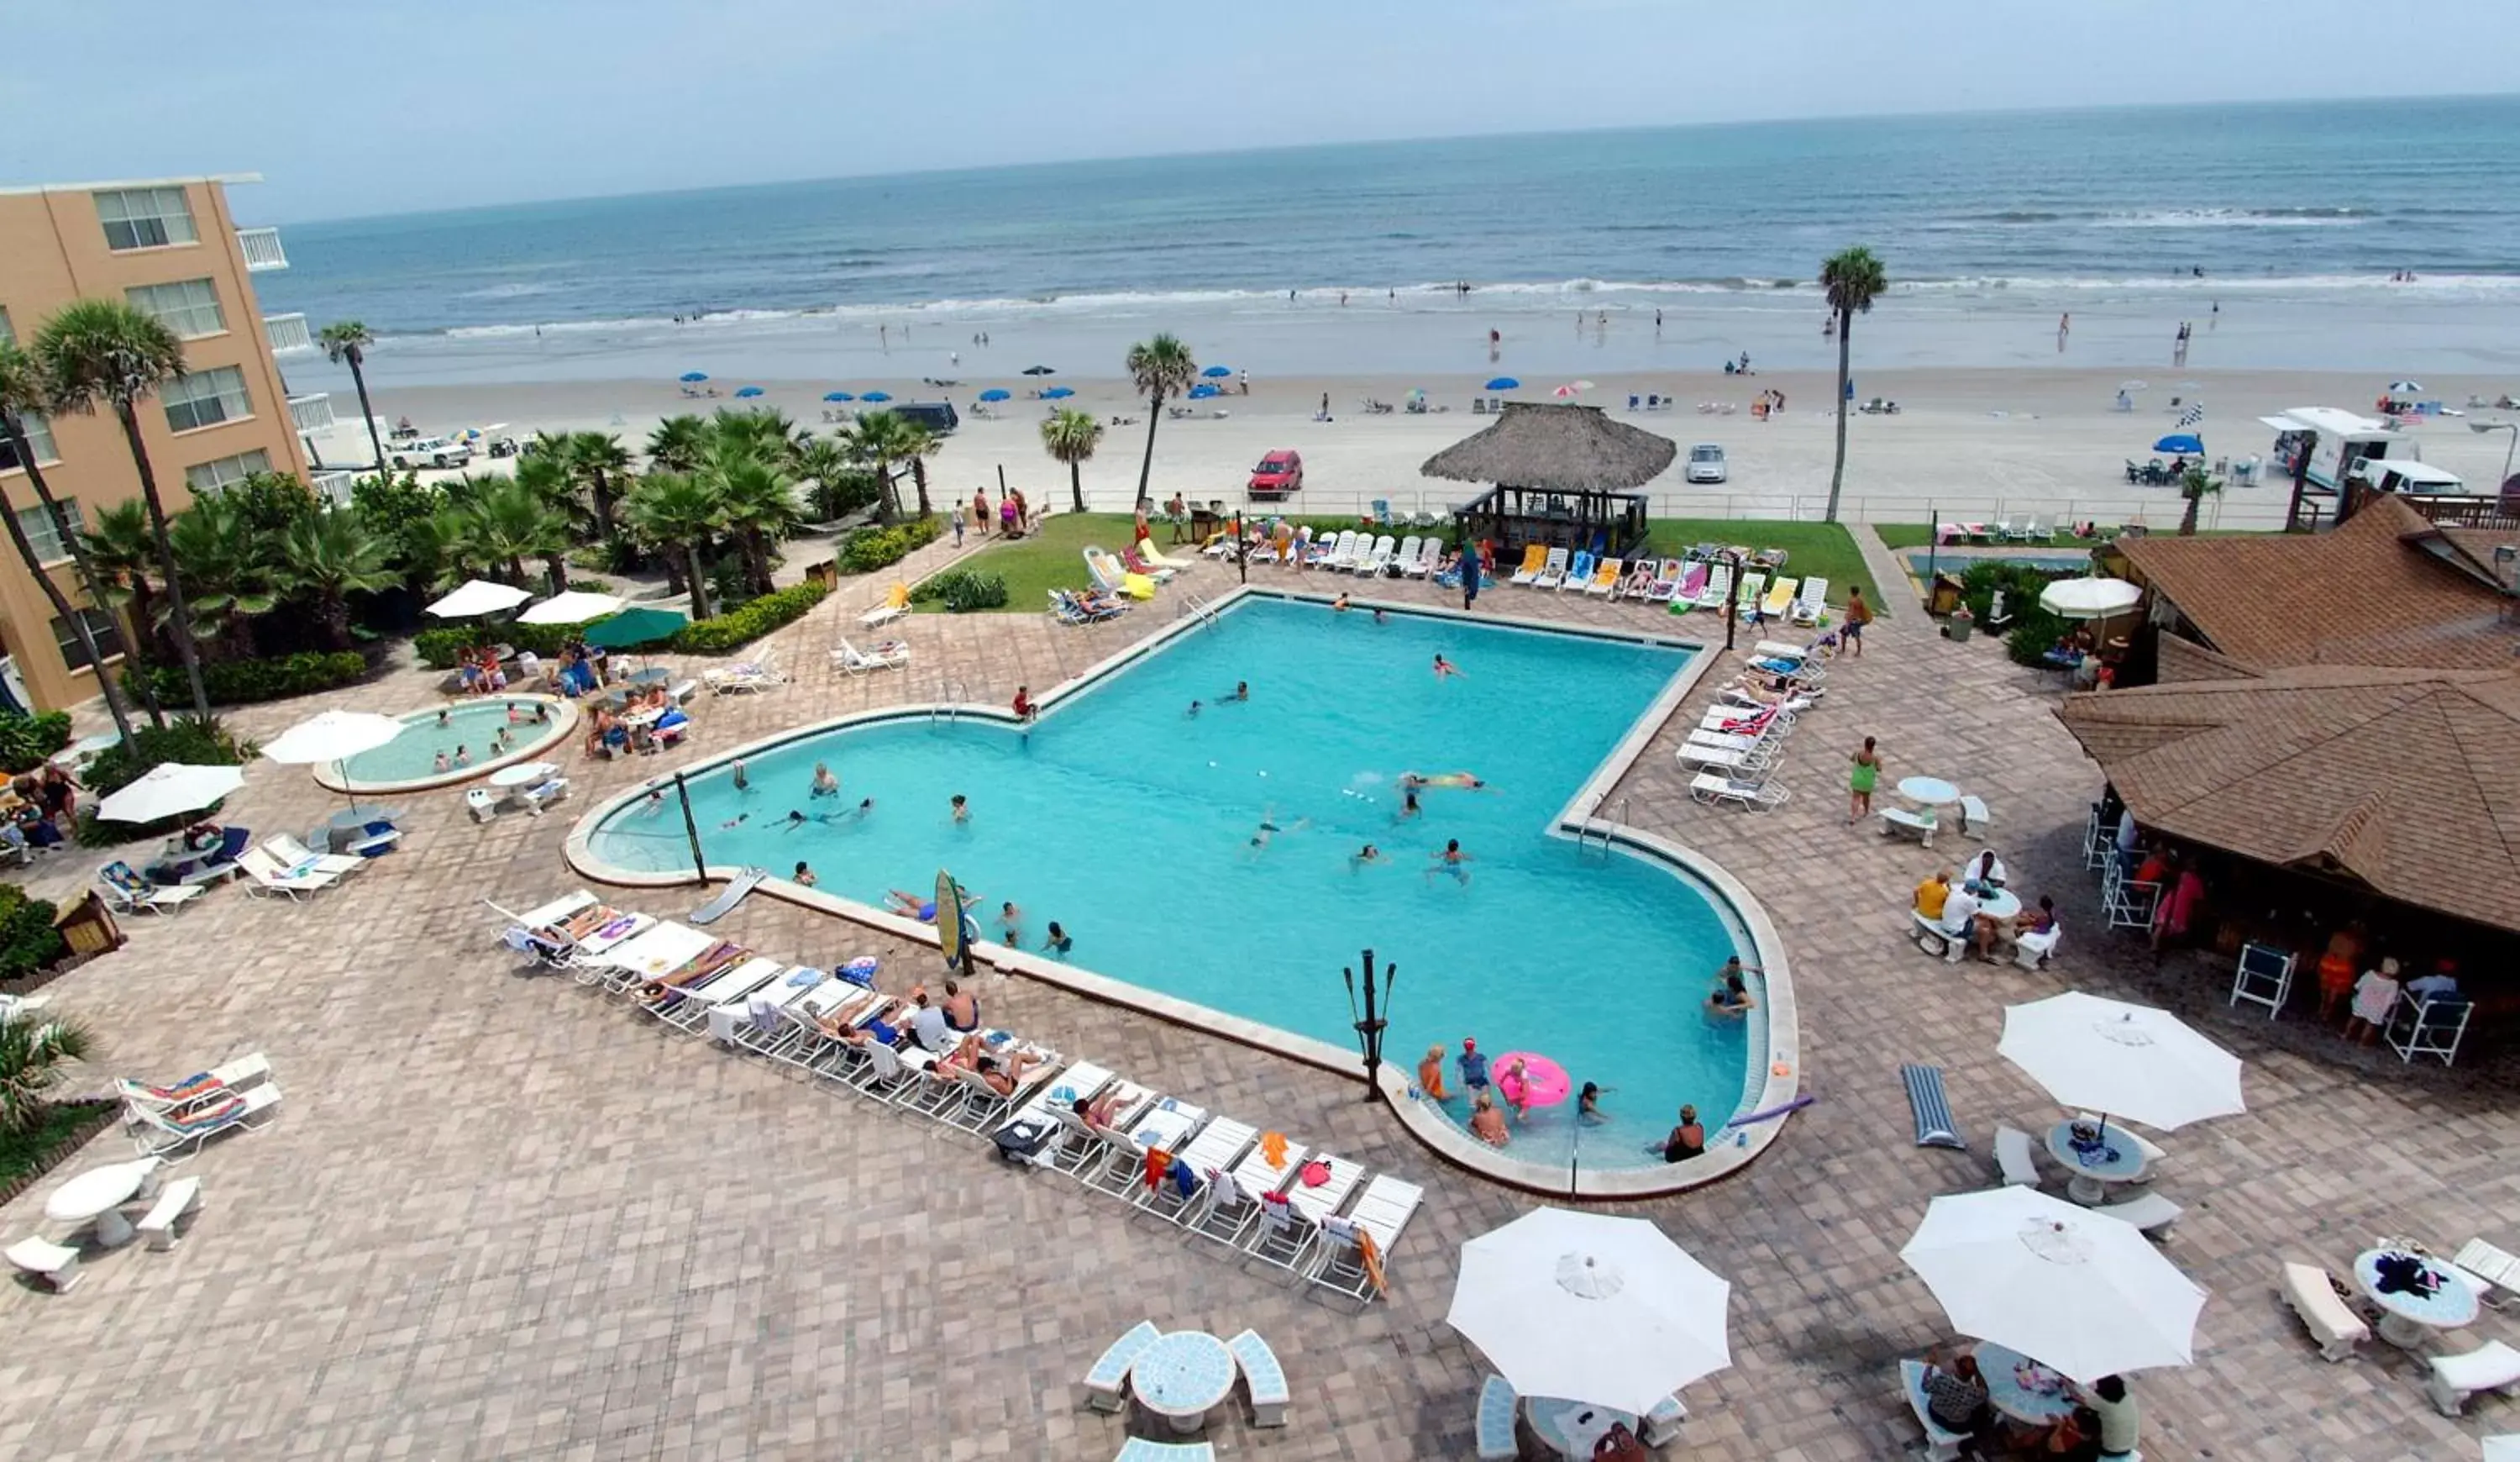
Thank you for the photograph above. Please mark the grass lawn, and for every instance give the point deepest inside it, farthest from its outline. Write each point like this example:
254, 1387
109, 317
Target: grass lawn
39, 1145
1052, 559
1821, 548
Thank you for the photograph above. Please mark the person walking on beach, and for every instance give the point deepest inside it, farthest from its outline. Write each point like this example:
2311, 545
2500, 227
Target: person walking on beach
2064, 328
1857, 614
1246, 381
1859, 781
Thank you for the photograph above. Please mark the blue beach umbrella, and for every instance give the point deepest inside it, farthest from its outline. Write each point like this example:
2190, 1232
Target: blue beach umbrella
837, 396
1056, 393
1217, 373
995, 394
1039, 371
747, 391
876, 395
1503, 383
2181, 442
692, 378
1201, 392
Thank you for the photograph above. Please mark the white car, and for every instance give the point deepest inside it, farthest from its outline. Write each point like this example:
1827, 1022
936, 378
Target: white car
1706, 463
430, 451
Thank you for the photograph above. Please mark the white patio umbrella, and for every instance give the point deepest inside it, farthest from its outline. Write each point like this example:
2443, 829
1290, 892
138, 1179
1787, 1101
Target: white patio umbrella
1590, 1309
2502, 1448
2089, 598
2121, 1060
575, 607
479, 596
168, 789
334, 736
2078, 1292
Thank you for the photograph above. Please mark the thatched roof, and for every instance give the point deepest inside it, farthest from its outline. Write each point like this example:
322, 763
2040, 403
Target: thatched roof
1556, 449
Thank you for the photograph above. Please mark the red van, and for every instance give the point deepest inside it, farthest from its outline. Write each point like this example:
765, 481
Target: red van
1280, 474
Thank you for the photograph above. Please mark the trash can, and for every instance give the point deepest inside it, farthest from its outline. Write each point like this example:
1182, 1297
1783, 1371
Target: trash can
1958, 629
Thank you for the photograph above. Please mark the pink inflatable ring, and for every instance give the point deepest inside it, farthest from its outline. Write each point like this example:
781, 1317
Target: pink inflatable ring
1543, 1082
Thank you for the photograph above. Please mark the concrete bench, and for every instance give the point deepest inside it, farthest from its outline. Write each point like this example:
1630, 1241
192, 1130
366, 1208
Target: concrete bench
2150, 1212
1111, 1372
1262, 1376
2491, 1366
2323, 1312
1936, 940
177, 1199
1919, 825
2015, 1158
1940, 1444
54, 1264
1661, 1426
1498, 1437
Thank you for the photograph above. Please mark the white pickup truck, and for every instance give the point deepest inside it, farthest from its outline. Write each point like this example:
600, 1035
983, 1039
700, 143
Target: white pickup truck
430, 451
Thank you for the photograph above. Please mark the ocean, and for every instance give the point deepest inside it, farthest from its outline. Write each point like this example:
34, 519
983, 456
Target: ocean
2281, 224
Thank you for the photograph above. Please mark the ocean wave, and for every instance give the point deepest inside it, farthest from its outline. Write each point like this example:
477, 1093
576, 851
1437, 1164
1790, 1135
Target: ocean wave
2235, 218
512, 289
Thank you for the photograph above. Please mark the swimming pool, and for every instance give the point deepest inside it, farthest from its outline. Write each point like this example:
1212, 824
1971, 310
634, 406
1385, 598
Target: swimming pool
1133, 822
409, 761
1948, 560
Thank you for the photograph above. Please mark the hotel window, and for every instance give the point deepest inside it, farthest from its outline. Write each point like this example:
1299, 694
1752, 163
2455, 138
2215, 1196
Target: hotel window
100, 625
190, 308
36, 522
204, 398
145, 217
210, 476
39, 437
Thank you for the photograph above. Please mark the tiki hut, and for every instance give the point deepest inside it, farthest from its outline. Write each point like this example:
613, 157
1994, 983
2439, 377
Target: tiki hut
1562, 475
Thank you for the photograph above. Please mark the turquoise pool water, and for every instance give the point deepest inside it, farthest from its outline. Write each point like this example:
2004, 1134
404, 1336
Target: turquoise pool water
469, 725
1132, 822
1948, 562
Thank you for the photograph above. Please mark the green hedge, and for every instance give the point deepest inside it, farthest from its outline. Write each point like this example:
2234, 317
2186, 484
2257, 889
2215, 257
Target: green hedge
242, 682
437, 648
27, 741
963, 591
720, 633
27, 940
872, 548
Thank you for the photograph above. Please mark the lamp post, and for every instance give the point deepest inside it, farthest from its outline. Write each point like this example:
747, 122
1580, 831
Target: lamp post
2481, 428
691, 830
1371, 1020
1242, 550
1731, 596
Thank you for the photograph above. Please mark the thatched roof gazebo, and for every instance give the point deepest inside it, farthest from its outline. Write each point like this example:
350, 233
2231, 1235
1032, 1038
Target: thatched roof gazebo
1561, 476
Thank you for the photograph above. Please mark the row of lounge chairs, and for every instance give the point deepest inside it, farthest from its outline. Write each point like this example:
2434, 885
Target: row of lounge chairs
1364, 554
1742, 737
1212, 1175
1682, 585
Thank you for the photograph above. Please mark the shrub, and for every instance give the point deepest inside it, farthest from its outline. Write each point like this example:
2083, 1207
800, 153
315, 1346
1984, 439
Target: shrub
963, 591
720, 633
27, 940
2020, 582
844, 494
242, 682
872, 548
439, 648
27, 741
2033, 633
590, 586
186, 739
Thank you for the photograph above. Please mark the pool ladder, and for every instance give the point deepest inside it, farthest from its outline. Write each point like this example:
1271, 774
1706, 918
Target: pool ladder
1593, 830
950, 709
1193, 606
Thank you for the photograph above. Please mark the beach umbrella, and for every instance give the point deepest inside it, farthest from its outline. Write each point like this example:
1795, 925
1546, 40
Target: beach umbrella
1583, 384
2089, 598
693, 377
2138, 1062
748, 392
1590, 1307
334, 736
479, 596
1039, 371
634, 626
837, 396
1217, 372
2084, 1295
996, 393
1416, 393
1201, 392
2181, 441
1056, 393
1566, 392
876, 395
1502, 383
170, 789
2404, 387
576, 607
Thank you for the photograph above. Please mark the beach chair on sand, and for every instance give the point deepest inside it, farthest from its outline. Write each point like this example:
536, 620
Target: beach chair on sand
1534, 559
1810, 602
1552, 571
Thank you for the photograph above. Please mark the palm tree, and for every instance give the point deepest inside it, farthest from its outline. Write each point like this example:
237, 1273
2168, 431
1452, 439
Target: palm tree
680, 514
918, 444
30, 1056
346, 342
759, 502
1071, 436
332, 556
1854, 279
22, 392
600, 461
678, 444
881, 438
547, 476
497, 523
765, 432
1162, 368
2194, 485
122, 556
827, 464
105, 350
234, 567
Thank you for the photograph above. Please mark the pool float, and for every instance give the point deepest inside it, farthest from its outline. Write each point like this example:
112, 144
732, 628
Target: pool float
1461, 779
1543, 1081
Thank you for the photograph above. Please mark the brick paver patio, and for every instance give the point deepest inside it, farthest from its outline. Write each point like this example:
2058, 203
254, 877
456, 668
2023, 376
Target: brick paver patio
501, 1216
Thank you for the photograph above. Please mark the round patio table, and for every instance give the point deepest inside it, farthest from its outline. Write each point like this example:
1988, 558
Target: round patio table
522, 774
2115, 1159
99, 1194
2405, 1318
1181, 1376
2021, 1387
1571, 1428
2000, 904
1933, 791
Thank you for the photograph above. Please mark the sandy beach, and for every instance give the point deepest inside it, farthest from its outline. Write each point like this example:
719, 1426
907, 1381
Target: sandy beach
1965, 442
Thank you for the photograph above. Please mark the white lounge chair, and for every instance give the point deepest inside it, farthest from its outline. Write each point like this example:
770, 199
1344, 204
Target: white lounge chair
1342, 552
887, 654
1665, 582
1399, 562
1371, 562
1715, 789
743, 677
1316, 1201
265, 878
227, 1077
1810, 603
1722, 758
1552, 571
1381, 1213
127, 892
1429, 552
1231, 1207
296, 857
1207, 1155
896, 603
1718, 589
159, 1134
686, 1008
1142, 1449
2331, 1323
2015, 1158
1579, 573
2497, 1271
56, 1265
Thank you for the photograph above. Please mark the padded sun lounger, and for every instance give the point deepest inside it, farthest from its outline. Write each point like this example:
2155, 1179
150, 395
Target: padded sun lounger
1213, 1150
1935, 1126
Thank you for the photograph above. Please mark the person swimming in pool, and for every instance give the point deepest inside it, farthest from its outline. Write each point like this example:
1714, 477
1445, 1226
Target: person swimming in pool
462, 757
1445, 667
441, 763
1451, 860
824, 783
1513, 1084
736, 821
1058, 942
962, 808
1407, 802
1339, 605
1194, 709
447, 718
1460, 780
1242, 691
1269, 829
1010, 924
1366, 854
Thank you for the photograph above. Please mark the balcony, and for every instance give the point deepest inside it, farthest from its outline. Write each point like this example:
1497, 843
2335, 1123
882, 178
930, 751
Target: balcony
287, 334
311, 412
262, 251
333, 488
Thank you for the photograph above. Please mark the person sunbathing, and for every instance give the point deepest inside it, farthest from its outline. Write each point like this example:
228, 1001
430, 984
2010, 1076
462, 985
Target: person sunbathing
717, 960
962, 1007
840, 1022
910, 905
1005, 1078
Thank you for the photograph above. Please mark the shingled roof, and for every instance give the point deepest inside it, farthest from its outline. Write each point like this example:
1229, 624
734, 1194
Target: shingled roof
2365, 594
2402, 780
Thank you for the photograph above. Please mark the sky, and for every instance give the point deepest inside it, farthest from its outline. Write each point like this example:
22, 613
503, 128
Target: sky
367, 108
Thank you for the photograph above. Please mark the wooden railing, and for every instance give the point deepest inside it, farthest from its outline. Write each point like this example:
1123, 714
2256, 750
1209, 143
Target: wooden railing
2444, 508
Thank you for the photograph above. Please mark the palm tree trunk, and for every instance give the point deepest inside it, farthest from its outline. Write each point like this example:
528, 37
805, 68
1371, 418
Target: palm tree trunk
140, 624
241, 636
179, 613
600, 488
757, 545
2187, 518
1837, 473
919, 474
699, 581
1147, 464
62, 606
556, 564
335, 610
887, 503
367, 413
1076, 484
